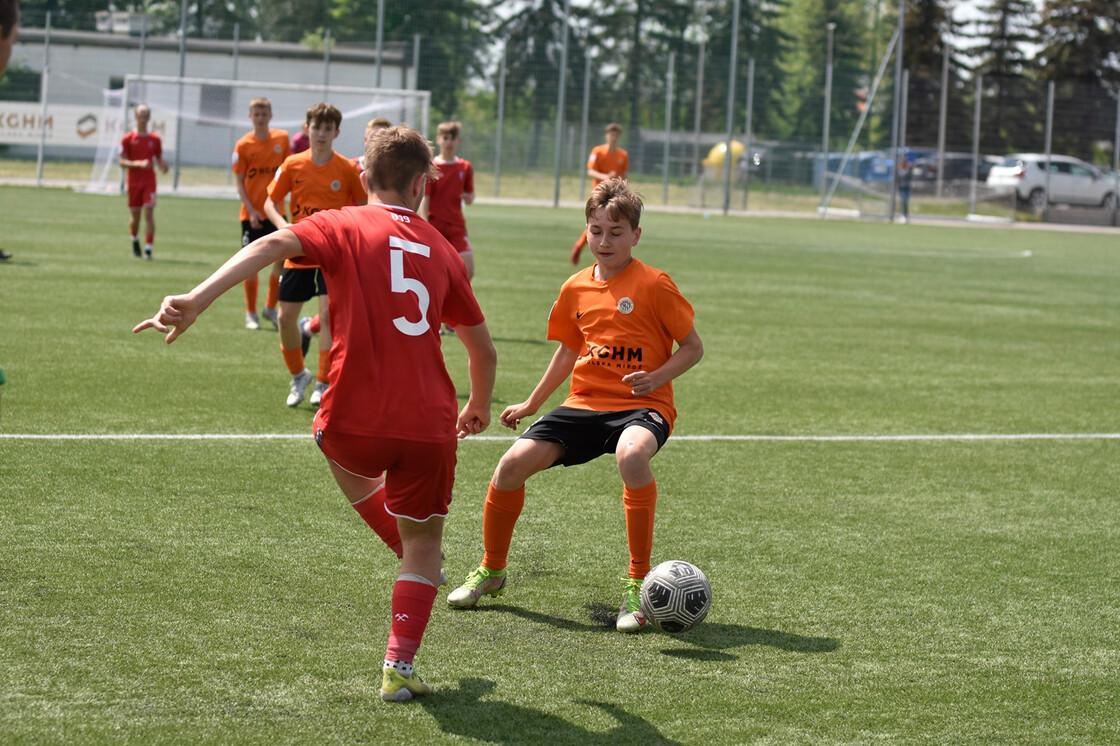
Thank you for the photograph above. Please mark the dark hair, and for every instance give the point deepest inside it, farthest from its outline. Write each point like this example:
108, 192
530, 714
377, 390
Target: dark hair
324, 112
449, 128
621, 202
9, 17
394, 156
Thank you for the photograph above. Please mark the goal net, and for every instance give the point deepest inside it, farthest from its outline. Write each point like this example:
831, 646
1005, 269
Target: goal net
200, 120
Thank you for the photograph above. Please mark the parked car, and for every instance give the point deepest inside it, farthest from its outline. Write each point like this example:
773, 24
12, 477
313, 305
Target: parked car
958, 167
1072, 181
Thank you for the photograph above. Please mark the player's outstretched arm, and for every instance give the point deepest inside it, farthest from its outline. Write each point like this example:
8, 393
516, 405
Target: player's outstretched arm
563, 361
273, 211
688, 353
483, 364
178, 312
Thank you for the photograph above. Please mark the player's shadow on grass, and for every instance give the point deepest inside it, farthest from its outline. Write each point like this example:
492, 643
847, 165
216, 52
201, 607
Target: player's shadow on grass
464, 712
714, 637
552, 621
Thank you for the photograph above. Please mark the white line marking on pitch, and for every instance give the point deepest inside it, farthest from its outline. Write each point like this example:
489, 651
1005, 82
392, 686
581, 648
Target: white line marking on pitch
790, 438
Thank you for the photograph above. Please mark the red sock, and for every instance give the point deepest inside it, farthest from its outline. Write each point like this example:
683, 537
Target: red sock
252, 286
149, 238
499, 516
639, 505
412, 608
372, 510
314, 325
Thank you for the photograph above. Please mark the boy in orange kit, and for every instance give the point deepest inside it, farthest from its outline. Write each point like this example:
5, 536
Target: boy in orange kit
256, 156
616, 323
317, 179
607, 161
140, 151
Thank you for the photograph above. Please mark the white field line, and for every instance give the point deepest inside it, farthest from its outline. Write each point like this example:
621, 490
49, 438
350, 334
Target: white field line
786, 438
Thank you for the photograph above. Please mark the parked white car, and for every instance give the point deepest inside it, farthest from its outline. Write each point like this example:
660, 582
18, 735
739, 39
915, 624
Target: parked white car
1072, 181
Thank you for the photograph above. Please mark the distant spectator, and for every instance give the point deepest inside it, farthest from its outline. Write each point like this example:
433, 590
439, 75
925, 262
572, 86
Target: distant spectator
300, 142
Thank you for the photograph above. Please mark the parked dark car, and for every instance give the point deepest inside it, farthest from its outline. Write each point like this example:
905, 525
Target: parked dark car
958, 167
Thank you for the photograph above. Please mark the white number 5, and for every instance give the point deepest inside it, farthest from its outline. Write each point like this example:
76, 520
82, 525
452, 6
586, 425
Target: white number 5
402, 284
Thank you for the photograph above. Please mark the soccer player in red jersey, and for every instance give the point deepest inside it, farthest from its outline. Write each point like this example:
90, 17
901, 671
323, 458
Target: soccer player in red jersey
388, 424
607, 161
140, 151
616, 323
443, 204
317, 179
256, 156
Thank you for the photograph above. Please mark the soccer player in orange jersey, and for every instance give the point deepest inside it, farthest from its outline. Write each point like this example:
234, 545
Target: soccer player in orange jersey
607, 161
616, 323
443, 203
140, 151
388, 425
256, 156
317, 179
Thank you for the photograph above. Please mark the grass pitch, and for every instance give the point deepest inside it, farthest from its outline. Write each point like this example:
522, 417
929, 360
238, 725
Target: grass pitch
873, 579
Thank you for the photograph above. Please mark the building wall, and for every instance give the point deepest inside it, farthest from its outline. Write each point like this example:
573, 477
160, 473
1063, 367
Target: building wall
84, 63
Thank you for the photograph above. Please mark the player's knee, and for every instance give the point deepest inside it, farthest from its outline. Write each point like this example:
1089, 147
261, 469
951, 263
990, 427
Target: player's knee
633, 459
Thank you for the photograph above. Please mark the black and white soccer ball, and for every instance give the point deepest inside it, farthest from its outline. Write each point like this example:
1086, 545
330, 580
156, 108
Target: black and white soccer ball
676, 596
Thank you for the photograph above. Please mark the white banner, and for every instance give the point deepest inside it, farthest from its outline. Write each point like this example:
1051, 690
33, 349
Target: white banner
21, 123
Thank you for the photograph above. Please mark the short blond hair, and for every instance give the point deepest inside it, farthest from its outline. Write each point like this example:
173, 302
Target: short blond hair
394, 156
620, 201
260, 103
378, 123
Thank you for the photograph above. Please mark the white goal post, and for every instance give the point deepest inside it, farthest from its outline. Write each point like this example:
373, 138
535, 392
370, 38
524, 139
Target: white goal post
200, 120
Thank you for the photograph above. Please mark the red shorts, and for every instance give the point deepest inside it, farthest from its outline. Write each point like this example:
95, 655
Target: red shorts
456, 236
419, 476
141, 195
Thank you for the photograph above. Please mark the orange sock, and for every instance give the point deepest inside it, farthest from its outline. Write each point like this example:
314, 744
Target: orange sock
294, 360
273, 291
252, 286
324, 366
499, 516
639, 504
577, 249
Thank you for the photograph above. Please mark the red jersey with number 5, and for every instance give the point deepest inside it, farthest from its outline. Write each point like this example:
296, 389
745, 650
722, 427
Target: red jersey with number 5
394, 279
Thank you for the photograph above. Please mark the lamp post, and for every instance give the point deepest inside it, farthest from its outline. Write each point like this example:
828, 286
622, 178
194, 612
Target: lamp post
827, 117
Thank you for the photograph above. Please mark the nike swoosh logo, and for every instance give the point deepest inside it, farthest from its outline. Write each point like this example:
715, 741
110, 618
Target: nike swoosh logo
578, 314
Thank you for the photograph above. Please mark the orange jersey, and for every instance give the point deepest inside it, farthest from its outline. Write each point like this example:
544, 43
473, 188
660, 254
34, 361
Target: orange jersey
625, 324
334, 185
605, 161
257, 160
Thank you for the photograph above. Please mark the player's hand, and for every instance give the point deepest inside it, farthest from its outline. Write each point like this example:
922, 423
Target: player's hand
256, 219
473, 420
511, 416
641, 383
175, 316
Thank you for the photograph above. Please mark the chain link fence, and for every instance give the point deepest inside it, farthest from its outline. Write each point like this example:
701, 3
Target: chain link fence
961, 134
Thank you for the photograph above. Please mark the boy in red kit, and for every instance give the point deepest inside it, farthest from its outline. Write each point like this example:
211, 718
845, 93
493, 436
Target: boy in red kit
616, 323
388, 425
607, 161
256, 156
443, 204
139, 153
317, 179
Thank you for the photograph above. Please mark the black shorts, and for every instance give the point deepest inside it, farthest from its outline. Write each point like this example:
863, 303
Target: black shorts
587, 435
250, 234
298, 285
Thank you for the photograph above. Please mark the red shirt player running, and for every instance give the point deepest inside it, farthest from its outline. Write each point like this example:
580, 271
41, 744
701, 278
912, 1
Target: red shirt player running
443, 205
388, 424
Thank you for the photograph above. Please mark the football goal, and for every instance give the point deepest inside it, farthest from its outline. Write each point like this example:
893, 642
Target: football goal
199, 120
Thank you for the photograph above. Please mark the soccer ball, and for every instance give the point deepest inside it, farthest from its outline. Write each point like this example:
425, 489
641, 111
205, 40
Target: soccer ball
676, 596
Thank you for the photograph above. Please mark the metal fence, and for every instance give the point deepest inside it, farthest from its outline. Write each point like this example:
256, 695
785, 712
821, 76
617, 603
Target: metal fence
953, 127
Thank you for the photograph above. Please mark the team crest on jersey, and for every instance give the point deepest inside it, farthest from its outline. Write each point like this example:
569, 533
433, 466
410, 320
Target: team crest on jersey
625, 305
336, 185
655, 417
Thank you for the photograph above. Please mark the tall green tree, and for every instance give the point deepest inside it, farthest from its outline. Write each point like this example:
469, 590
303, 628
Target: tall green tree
1010, 113
1081, 55
927, 25
805, 67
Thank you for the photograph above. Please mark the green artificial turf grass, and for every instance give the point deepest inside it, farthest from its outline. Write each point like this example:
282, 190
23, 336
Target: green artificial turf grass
897, 591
